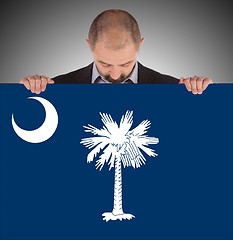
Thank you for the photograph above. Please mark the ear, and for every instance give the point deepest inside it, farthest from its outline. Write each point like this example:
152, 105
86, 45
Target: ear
142, 40
87, 42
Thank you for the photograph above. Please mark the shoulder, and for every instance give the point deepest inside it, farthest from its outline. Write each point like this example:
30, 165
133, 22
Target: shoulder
150, 76
80, 76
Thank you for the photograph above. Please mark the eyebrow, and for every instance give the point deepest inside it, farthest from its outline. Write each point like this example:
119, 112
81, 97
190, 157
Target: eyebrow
111, 64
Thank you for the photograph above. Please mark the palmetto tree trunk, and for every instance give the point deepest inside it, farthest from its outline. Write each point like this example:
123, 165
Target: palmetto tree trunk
117, 212
117, 207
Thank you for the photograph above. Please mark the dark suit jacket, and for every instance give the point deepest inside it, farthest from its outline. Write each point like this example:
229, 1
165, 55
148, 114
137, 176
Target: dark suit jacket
145, 76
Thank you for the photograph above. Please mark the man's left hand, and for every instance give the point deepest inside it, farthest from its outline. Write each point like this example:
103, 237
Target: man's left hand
196, 84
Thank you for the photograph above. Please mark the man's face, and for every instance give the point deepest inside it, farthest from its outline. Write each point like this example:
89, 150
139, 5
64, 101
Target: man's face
115, 65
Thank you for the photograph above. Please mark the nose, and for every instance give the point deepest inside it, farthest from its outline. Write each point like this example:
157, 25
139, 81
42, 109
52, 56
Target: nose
115, 73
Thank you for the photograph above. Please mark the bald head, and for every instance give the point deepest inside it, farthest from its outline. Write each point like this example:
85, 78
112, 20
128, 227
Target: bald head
115, 29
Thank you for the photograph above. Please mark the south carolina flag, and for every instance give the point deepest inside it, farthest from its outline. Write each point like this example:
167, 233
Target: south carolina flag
116, 162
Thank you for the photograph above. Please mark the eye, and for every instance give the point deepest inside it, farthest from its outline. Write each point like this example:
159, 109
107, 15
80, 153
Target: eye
105, 65
125, 65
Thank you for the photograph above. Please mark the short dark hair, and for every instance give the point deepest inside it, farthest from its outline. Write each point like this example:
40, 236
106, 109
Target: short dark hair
111, 19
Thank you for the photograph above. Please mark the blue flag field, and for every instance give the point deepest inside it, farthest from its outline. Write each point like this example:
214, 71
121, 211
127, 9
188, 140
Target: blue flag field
116, 162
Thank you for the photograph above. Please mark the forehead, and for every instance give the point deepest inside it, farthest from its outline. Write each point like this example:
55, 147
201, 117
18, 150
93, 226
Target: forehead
115, 56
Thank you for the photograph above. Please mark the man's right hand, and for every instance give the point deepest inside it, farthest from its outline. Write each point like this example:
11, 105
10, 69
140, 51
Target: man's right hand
36, 83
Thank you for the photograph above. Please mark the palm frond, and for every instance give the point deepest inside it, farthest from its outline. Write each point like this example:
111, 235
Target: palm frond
126, 122
104, 157
93, 141
144, 140
141, 128
148, 151
112, 160
95, 151
132, 156
111, 126
101, 132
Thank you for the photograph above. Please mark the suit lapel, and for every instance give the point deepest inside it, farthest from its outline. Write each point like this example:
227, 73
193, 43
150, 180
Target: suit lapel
143, 77
86, 75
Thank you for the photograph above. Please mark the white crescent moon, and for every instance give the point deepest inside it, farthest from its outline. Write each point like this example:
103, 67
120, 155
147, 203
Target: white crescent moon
46, 130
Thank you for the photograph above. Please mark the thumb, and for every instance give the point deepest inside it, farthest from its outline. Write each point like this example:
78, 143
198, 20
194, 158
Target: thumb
181, 80
50, 81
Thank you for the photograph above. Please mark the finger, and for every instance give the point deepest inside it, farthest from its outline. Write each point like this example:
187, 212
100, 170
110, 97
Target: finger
50, 81
32, 82
25, 82
181, 80
188, 84
199, 84
43, 83
193, 83
206, 83
38, 83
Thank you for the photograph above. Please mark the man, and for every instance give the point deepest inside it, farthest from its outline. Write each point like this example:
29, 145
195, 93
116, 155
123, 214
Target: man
115, 40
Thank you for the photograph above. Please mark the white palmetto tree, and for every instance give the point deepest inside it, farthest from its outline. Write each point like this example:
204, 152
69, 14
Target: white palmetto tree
119, 146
